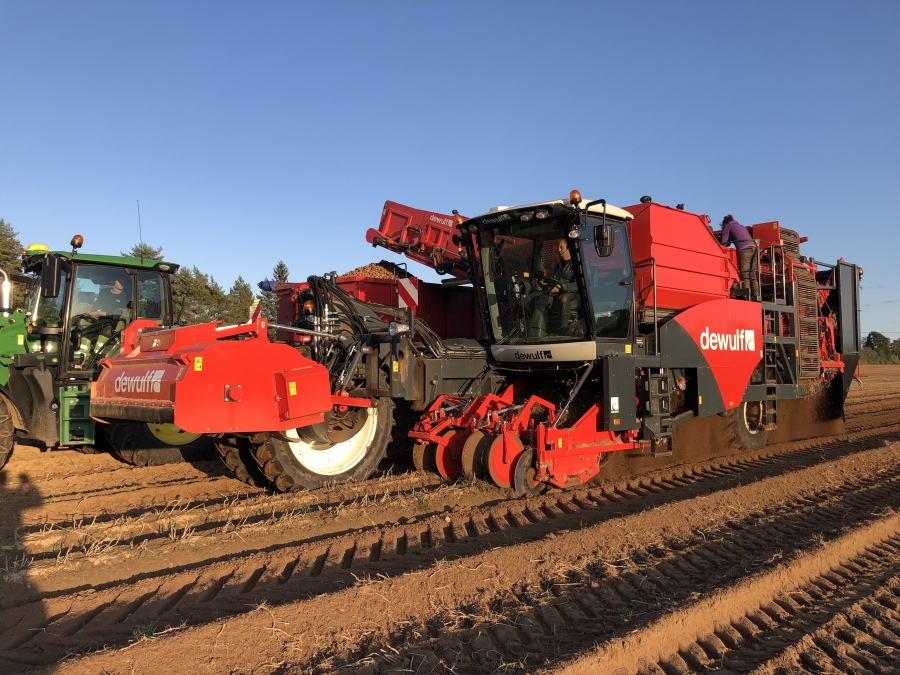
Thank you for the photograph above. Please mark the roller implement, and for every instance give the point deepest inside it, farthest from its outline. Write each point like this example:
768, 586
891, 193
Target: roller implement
77, 307
587, 329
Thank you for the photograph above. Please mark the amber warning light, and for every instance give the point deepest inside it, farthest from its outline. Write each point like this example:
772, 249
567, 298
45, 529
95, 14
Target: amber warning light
77, 242
574, 197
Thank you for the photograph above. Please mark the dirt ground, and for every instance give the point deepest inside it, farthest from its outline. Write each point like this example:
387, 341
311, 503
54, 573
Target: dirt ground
785, 560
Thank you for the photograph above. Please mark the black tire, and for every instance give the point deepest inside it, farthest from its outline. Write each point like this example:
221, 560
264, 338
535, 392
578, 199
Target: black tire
749, 425
135, 443
236, 452
7, 434
298, 464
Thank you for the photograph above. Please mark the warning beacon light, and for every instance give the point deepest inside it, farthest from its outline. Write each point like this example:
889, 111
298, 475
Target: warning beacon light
77, 242
574, 197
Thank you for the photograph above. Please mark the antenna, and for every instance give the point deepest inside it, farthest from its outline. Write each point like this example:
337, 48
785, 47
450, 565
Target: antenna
140, 233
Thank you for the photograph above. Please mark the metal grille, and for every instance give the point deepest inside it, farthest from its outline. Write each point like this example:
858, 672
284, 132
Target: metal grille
808, 318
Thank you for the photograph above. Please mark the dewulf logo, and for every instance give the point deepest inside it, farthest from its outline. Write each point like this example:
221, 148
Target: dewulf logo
497, 219
441, 221
741, 340
534, 356
147, 382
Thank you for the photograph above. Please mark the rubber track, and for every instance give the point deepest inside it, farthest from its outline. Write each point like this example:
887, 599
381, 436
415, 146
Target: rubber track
77, 622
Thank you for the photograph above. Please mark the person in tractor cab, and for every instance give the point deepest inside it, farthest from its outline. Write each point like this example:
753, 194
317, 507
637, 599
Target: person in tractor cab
735, 233
564, 292
115, 299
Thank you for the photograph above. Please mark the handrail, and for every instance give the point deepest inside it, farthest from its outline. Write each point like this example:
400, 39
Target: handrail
652, 261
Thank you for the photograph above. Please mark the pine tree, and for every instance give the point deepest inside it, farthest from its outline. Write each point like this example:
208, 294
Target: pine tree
145, 251
10, 248
267, 299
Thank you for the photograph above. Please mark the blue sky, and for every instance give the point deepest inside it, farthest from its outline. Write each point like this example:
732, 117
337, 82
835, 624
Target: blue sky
258, 132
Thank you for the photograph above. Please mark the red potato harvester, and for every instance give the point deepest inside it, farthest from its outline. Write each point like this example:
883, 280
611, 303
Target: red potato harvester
598, 329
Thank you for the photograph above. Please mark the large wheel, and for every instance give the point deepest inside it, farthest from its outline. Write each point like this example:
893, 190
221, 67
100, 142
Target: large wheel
236, 453
749, 425
297, 460
7, 434
144, 444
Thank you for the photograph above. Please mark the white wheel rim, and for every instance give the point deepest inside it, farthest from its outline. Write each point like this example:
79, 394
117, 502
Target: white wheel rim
747, 421
330, 460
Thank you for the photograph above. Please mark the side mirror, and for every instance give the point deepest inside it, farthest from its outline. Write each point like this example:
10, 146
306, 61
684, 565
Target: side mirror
50, 277
603, 239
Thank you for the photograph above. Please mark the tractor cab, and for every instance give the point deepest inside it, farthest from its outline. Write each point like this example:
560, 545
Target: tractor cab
77, 307
557, 280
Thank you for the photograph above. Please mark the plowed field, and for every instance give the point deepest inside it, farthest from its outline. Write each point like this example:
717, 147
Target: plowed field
785, 560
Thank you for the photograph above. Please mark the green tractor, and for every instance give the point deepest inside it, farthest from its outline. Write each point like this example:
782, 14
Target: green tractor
76, 308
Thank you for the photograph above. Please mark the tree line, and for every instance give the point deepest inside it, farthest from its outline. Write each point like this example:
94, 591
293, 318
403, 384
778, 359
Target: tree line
197, 296
878, 348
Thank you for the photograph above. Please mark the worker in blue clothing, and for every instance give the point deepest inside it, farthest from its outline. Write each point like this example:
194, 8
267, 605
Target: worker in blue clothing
735, 233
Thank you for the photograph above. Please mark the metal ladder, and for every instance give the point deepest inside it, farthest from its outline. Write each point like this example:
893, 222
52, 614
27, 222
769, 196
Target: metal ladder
656, 414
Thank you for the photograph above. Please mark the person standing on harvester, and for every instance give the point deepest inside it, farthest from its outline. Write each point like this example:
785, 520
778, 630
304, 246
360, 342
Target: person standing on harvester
735, 233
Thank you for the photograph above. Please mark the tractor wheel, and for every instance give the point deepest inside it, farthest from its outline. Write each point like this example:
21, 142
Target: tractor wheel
749, 426
237, 454
143, 444
294, 461
7, 434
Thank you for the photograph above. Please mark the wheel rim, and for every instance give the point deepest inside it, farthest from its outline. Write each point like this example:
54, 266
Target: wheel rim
753, 417
172, 435
333, 459
501, 472
448, 458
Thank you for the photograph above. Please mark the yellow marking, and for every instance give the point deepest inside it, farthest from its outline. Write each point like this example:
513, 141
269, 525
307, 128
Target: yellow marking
558, 442
20, 340
526, 274
292, 388
627, 349
700, 400
198, 363
396, 367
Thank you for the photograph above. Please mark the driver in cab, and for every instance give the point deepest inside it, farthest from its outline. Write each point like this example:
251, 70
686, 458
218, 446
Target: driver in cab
113, 300
564, 275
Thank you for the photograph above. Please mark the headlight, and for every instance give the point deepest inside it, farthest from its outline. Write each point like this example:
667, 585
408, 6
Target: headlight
396, 328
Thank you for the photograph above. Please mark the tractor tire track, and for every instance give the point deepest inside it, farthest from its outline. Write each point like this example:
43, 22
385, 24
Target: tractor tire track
514, 605
110, 615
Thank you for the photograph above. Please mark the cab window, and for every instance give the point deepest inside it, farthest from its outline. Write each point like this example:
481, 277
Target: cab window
150, 294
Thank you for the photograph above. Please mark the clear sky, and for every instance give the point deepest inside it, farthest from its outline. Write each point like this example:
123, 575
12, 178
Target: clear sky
258, 131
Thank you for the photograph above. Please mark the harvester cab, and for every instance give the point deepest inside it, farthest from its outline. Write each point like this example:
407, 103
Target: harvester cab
76, 309
615, 326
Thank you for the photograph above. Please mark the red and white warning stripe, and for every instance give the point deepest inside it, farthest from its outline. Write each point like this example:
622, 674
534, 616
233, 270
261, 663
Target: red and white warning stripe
408, 293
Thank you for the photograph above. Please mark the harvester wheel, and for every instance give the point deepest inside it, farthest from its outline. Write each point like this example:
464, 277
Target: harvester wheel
7, 434
423, 457
292, 462
749, 425
143, 444
524, 475
236, 452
